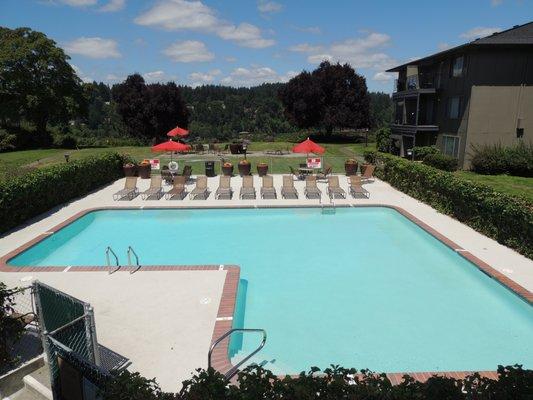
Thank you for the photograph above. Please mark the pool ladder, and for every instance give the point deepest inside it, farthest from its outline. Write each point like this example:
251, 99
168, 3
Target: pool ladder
109, 252
327, 208
235, 369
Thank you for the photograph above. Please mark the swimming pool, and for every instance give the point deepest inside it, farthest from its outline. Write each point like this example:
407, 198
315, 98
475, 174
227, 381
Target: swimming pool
364, 287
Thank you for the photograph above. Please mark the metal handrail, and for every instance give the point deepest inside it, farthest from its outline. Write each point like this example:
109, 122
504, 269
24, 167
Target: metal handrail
110, 250
233, 370
130, 251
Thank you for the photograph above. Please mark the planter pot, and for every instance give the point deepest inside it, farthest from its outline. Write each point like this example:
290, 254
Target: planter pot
144, 171
129, 170
350, 168
262, 169
227, 171
363, 167
244, 169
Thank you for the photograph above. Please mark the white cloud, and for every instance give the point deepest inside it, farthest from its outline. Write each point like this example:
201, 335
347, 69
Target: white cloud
305, 48
79, 3
81, 74
93, 47
255, 75
246, 35
189, 51
175, 15
113, 5
383, 76
158, 76
268, 7
479, 32
230, 59
203, 78
443, 46
362, 52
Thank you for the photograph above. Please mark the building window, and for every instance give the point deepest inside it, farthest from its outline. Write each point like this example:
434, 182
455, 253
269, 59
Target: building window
454, 106
458, 67
519, 133
450, 145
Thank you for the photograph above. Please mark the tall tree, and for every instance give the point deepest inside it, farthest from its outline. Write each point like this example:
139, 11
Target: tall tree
36, 81
332, 96
149, 110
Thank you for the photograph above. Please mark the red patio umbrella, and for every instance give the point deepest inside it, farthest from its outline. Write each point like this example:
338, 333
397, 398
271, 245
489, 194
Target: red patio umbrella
171, 146
177, 131
308, 146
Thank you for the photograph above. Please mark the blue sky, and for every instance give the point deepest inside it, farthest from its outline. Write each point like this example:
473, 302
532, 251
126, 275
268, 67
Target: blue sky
246, 42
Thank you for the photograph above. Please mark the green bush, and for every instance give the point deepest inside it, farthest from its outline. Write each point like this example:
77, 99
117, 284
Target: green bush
383, 140
334, 383
370, 156
497, 159
67, 142
420, 152
8, 141
441, 161
505, 218
10, 329
27, 196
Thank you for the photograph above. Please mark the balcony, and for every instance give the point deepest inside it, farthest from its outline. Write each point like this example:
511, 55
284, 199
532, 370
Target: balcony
415, 84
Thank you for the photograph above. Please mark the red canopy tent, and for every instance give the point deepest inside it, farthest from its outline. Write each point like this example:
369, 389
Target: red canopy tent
177, 131
308, 146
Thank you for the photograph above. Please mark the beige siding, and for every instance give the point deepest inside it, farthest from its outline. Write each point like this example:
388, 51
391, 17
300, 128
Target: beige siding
494, 114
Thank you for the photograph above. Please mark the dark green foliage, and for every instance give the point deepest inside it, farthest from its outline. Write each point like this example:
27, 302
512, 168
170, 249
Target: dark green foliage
67, 142
10, 329
441, 161
507, 219
29, 195
149, 111
333, 383
8, 141
370, 156
332, 96
420, 152
383, 140
36, 81
497, 159
381, 109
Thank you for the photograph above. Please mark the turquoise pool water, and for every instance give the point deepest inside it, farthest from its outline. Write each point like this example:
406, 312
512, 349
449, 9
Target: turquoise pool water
364, 287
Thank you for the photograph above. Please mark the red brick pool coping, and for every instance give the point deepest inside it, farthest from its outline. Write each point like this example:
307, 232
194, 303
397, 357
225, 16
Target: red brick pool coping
224, 320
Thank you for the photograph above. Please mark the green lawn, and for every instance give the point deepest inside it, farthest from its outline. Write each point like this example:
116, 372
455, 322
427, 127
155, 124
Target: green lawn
513, 185
20, 162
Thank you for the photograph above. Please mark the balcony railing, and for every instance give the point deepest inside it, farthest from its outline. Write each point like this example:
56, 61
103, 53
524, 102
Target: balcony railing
415, 82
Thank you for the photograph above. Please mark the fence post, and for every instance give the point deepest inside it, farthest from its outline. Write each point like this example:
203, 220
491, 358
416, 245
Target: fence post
40, 317
90, 327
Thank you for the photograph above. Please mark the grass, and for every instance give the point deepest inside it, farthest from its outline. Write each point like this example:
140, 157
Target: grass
513, 185
20, 162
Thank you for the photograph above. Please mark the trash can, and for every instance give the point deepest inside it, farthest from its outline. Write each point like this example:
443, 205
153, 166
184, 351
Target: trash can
210, 168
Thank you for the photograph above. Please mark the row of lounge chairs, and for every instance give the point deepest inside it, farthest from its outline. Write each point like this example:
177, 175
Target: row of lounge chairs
247, 191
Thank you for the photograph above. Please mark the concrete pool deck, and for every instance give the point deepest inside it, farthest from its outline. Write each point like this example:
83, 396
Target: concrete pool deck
164, 307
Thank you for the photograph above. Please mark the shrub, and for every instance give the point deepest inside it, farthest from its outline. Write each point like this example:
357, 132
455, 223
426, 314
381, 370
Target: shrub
496, 159
27, 196
370, 156
507, 219
255, 382
8, 141
68, 142
383, 140
10, 329
441, 161
420, 152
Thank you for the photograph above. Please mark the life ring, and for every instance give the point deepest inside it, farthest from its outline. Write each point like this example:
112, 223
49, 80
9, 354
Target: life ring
173, 166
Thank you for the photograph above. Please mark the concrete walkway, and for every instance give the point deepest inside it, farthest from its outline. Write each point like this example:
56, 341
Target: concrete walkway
163, 321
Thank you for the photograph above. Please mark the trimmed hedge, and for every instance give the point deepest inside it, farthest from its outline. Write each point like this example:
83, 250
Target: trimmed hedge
335, 383
507, 219
441, 161
29, 195
497, 159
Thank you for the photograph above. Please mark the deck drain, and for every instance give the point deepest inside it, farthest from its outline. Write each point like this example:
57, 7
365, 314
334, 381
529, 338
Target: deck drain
205, 300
